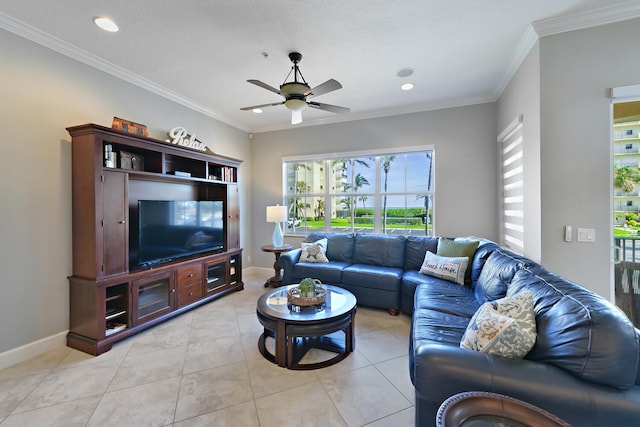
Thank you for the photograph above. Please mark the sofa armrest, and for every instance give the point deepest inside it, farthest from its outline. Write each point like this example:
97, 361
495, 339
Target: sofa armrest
287, 261
441, 371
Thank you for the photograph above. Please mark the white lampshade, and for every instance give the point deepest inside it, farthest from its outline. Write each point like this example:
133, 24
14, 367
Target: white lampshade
276, 213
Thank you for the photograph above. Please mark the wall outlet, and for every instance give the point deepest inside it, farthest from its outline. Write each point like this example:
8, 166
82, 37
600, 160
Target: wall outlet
249, 258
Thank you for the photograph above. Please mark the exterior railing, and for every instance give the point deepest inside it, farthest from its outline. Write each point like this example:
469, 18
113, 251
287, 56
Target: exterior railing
627, 276
627, 249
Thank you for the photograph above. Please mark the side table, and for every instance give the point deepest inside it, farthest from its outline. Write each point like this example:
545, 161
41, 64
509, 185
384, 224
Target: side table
276, 280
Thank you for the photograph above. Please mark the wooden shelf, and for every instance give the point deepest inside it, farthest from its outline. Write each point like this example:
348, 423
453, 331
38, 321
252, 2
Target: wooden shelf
109, 301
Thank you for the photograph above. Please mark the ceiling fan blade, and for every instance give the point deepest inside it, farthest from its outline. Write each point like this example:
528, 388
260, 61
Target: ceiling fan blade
328, 107
265, 86
296, 117
326, 87
253, 107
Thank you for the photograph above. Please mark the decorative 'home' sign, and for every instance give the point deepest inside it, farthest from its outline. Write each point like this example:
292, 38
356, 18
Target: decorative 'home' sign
180, 136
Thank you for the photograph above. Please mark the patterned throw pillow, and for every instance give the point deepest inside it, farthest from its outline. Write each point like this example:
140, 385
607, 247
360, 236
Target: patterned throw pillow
447, 268
314, 252
505, 327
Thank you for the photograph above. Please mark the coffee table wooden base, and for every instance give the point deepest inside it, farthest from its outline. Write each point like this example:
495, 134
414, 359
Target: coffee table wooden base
296, 330
293, 341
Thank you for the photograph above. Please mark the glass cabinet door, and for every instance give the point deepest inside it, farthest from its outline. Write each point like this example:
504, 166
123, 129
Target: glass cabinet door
216, 275
154, 296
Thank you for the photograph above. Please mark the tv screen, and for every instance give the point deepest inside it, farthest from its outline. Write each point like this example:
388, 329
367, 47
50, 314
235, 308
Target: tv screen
169, 230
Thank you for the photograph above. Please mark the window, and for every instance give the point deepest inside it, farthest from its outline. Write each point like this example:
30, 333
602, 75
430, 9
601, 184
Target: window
512, 231
365, 192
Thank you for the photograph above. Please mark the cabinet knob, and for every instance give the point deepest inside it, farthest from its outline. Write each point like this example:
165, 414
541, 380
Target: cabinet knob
190, 274
122, 222
190, 294
173, 290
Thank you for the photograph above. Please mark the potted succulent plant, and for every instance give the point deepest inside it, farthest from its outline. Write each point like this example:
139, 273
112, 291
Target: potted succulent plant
307, 287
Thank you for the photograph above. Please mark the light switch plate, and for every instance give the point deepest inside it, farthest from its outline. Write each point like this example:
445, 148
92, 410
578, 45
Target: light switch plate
587, 235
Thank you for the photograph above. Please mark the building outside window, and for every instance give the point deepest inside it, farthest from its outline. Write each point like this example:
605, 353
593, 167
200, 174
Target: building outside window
364, 192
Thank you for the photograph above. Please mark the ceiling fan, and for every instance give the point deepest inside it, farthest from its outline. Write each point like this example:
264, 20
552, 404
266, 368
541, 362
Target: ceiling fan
297, 92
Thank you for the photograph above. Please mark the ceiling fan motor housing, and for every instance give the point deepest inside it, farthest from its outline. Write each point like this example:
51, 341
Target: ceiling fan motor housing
295, 57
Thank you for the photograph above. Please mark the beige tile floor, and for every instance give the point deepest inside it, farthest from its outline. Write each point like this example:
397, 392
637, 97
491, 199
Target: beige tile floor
204, 369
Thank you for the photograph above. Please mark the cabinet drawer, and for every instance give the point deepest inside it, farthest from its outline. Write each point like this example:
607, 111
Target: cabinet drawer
188, 275
189, 294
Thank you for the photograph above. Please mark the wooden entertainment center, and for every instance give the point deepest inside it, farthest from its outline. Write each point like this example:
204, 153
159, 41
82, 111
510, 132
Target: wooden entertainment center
108, 300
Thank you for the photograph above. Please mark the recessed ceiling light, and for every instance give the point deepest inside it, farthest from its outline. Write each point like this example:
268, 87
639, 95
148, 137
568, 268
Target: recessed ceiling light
257, 110
106, 24
407, 86
405, 72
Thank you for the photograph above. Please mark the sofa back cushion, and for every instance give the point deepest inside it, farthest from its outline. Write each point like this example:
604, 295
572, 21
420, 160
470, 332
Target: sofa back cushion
579, 331
495, 276
379, 249
485, 249
339, 245
415, 249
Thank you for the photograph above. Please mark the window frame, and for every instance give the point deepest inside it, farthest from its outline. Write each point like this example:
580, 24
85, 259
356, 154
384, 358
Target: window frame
376, 194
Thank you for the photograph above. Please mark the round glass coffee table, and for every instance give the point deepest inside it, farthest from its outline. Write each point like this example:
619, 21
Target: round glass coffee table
297, 329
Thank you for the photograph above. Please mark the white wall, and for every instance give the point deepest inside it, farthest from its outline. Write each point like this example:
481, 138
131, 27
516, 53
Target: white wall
522, 96
577, 68
42, 93
465, 164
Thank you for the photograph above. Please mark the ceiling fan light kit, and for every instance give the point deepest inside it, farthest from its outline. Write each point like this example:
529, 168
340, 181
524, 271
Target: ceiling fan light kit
297, 91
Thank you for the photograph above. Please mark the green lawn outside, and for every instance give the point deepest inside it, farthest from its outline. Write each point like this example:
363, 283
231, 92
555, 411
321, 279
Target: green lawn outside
346, 222
626, 232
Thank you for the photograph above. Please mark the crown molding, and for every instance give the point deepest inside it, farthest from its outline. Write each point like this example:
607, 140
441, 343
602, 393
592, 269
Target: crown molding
595, 17
562, 24
389, 112
524, 46
592, 18
51, 42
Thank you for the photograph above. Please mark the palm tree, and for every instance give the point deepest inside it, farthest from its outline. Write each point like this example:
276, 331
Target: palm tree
319, 209
352, 183
360, 181
363, 199
386, 166
625, 178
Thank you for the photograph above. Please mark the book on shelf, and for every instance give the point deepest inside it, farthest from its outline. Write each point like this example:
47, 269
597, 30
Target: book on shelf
112, 328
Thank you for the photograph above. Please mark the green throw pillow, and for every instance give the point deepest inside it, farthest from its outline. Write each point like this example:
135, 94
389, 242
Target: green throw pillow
458, 248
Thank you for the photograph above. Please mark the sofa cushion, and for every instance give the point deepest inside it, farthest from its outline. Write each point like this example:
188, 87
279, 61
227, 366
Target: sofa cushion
377, 249
330, 272
452, 269
446, 297
580, 331
495, 276
458, 248
314, 252
485, 248
339, 245
415, 248
435, 326
373, 276
505, 327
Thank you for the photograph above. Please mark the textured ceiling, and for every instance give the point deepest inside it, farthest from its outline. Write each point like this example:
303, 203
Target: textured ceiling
201, 52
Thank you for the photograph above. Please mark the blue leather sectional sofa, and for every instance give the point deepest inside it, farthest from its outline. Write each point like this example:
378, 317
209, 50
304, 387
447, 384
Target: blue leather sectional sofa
583, 368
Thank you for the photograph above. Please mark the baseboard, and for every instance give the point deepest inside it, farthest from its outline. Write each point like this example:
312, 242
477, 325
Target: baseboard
257, 271
28, 351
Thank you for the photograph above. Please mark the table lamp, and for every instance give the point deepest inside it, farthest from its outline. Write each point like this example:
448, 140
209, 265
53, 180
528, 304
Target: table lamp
277, 214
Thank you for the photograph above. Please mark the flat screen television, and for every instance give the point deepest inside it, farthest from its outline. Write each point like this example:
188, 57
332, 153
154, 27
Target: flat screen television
170, 230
